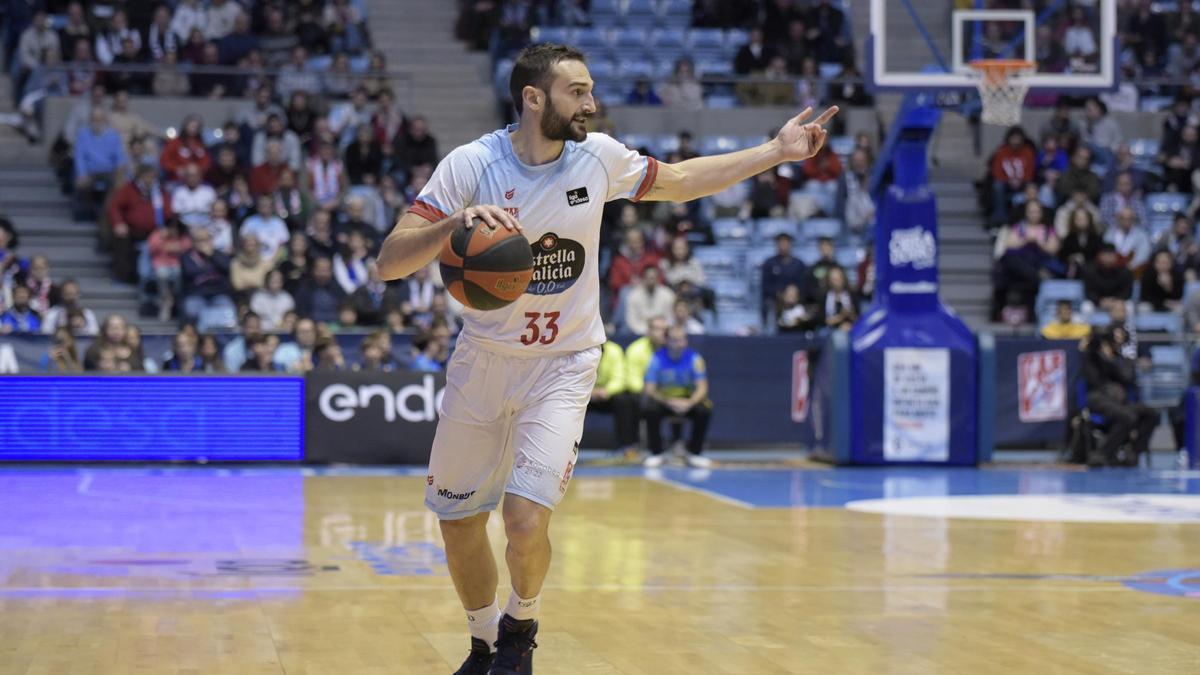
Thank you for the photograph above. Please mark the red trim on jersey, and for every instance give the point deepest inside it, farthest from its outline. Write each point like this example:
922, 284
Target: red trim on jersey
427, 211
648, 181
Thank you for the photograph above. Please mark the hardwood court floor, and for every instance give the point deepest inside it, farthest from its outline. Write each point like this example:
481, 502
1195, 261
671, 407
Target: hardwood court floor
290, 571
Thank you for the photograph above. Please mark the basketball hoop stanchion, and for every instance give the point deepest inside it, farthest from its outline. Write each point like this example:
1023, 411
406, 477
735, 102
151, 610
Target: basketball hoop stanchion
1002, 87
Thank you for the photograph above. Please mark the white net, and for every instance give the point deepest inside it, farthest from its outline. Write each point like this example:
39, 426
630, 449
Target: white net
1002, 87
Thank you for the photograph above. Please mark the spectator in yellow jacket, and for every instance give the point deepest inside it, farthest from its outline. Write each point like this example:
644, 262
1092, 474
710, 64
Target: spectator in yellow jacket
610, 395
640, 351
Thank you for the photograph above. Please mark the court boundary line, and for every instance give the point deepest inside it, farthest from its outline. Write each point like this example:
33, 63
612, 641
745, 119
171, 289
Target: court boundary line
574, 588
686, 487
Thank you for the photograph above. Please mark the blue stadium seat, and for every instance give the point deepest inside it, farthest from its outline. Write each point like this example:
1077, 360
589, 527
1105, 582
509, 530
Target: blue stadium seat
707, 43
1159, 322
359, 64
715, 145
769, 228
718, 259
1190, 288
637, 141
841, 145
593, 40
1144, 149
666, 143
602, 70
668, 43
732, 289
605, 12
721, 101
732, 230
758, 255
1167, 203
752, 140
828, 71
734, 321
677, 13
1168, 355
1052, 290
849, 258
808, 253
1159, 224
734, 39
631, 41
1099, 319
632, 69
319, 63
641, 13
815, 228
1153, 104
662, 65
557, 34
714, 68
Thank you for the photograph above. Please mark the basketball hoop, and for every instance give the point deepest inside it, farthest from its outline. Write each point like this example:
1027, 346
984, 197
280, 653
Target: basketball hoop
1002, 88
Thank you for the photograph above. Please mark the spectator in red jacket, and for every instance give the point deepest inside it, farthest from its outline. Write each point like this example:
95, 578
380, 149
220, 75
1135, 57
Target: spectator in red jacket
1012, 167
628, 264
186, 148
264, 178
134, 212
821, 177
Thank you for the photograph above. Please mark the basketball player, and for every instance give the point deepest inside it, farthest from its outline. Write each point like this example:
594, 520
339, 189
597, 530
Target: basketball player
520, 379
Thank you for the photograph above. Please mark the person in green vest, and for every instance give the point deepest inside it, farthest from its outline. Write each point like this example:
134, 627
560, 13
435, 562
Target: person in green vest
640, 351
611, 395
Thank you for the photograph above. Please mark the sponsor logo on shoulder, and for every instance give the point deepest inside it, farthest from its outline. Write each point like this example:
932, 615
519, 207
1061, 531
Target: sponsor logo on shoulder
577, 196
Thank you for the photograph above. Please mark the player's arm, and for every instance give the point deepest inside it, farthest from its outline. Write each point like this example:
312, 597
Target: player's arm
700, 394
416, 240
704, 176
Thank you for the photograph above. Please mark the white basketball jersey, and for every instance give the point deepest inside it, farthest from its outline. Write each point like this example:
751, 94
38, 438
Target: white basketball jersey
559, 206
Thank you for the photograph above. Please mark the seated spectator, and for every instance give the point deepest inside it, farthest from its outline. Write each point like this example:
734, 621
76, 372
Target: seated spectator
345, 118
432, 349
99, 163
683, 313
321, 237
374, 299
1124, 164
417, 148
221, 18
295, 263
1013, 166
1064, 326
1081, 244
1079, 200
112, 345
68, 302
855, 206
609, 395
327, 355
838, 306
129, 124
292, 203
192, 200
276, 131
1111, 385
647, 300
792, 314
779, 271
1180, 242
319, 296
339, 81
350, 265
248, 271
775, 86
264, 177
826, 261
63, 355
295, 356
205, 273
21, 317
1180, 159
1122, 197
825, 27
387, 121
374, 359
630, 262
267, 228
238, 43
420, 290
220, 227
684, 274
237, 350
1106, 280
136, 209
1101, 132
186, 148
439, 312
642, 94
1079, 176
1162, 285
272, 301
326, 177
253, 118
683, 90
210, 354
1130, 240
189, 16
363, 156
295, 76
169, 79
221, 174
260, 348
1051, 158
754, 56
35, 40
1025, 252
184, 358
822, 175
75, 28
167, 246
676, 385
36, 277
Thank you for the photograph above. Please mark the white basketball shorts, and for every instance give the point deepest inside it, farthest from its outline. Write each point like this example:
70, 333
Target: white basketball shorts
507, 424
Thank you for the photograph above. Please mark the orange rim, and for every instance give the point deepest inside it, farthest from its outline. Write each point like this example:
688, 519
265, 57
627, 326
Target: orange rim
997, 70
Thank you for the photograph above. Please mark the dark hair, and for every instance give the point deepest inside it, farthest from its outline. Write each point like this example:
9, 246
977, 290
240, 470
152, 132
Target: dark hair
7, 226
533, 68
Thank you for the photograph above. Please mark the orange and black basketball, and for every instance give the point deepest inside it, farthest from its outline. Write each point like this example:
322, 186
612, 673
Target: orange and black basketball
486, 267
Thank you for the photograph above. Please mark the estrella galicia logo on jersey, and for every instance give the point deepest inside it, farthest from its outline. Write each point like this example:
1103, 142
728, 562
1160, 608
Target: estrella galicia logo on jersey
557, 265
577, 196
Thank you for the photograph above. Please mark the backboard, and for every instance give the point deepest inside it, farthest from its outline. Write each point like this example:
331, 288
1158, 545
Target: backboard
928, 45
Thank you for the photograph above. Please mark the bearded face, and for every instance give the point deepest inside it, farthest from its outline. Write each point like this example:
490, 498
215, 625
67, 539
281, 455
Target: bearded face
559, 127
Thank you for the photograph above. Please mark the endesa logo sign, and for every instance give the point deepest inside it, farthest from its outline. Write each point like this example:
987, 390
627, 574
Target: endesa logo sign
412, 403
372, 418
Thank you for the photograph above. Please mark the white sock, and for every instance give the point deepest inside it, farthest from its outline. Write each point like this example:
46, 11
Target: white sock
484, 623
523, 609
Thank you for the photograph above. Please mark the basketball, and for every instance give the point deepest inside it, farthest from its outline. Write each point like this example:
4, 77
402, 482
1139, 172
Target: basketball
486, 267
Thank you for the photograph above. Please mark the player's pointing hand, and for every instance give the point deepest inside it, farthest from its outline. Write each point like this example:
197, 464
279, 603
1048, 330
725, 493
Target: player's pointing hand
798, 139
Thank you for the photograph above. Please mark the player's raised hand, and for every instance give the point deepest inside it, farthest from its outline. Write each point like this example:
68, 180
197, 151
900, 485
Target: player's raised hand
800, 139
490, 214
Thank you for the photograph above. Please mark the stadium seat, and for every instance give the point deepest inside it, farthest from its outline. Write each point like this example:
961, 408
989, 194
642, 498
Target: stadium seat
715, 145
1052, 290
319, 63
734, 39
1144, 148
735, 321
731, 289
732, 229
1168, 355
666, 143
828, 71
629, 70
1159, 322
592, 40
815, 228
849, 258
1166, 203
717, 259
714, 68
769, 228
758, 255
721, 102
809, 254
841, 145
1153, 104
1190, 288
550, 34
630, 42
359, 64
641, 13
754, 139
638, 141
602, 70
668, 43
677, 13
1099, 319
605, 12
707, 44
